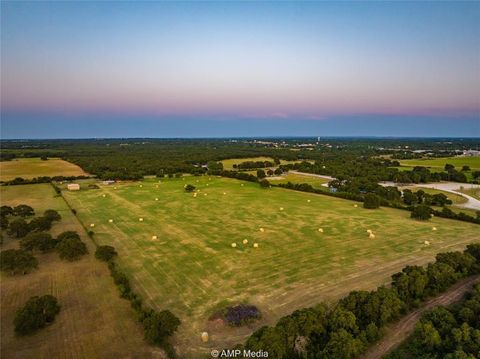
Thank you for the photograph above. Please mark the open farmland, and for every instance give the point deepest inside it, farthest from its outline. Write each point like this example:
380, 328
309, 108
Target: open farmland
28, 168
439, 163
94, 322
314, 181
192, 269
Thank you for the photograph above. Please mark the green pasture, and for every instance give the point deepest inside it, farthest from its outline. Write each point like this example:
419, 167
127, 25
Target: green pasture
458, 162
192, 269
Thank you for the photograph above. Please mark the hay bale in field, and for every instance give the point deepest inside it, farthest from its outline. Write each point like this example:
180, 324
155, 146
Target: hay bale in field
207, 184
141, 186
104, 195
434, 228
262, 230
154, 237
281, 208
241, 184
114, 187
308, 201
205, 337
255, 245
110, 221
92, 224
156, 186
369, 231
355, 205
156, 198
140, 219
427, 243
224, 193
194, 195
371, 235
320, 230
204, 194
234, 245
245, 241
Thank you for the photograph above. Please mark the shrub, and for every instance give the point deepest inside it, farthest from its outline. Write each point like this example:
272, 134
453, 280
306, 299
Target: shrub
421, 212
189, 188
17, 261
371, 201
37, 313
71, 248
23, 210
18, 228
40, 224
241, 314
264, 183
41, 241
52, 215
159, 326
105, 253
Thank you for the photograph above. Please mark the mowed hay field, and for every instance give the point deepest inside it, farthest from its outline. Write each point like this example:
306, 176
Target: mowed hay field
35, 167
458, 162
228, 164
192, 269
94, 322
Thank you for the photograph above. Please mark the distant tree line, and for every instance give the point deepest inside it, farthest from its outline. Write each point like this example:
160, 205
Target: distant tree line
43, 179
348, 328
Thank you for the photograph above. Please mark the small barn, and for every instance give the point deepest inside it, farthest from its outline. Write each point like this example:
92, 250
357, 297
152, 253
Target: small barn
73, 187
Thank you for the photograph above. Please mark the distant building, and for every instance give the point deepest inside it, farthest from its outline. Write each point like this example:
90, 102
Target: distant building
108, 182
73, 187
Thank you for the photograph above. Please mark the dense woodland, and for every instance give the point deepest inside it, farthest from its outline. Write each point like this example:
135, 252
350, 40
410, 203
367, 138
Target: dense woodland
343, 158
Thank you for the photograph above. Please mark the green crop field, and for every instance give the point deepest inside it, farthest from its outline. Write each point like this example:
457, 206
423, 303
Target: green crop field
458, 162
191, 268
35, 167
94, 322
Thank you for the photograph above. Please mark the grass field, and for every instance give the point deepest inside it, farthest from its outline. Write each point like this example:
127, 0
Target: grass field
458, 162
296, 178
93, 322
34, 167
192, 269
474, 192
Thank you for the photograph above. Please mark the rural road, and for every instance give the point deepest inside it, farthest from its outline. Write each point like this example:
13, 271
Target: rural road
399, 331
451, 187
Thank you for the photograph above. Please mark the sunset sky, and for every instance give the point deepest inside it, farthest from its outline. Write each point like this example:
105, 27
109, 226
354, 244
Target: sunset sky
173, 69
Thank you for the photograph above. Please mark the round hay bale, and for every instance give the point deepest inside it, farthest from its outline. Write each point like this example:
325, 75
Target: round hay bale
207, 184
154, 237
234, 245
92, 225
427, 243
156, 198
320, 230
114, 187
104, 195
140, 219
434, 228
369, 231
281, 208
205, 337
308, 201
371, 235
224, 193
198, 181
141, 186
241, 184
323, 167
245, 241
156, 186
262, 230
204, 194
255, 245
110, 221
355, 205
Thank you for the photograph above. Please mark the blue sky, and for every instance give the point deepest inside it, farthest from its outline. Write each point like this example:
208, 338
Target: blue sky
116, 69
